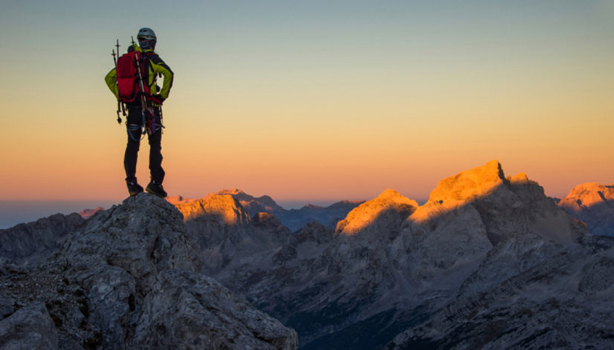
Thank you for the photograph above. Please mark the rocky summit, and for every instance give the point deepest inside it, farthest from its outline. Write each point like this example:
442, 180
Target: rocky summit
130, 279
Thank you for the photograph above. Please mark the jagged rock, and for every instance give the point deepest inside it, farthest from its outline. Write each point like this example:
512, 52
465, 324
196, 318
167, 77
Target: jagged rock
469, 185
505, 225
188, 310
33, 242
317, 269
593, 204
269, 230
251, 204
224, 208
6, 307
564, 302
386, 211
329, 216
315, 233
392, 265
29, 328
294, 219
224, 230
444, 251
131, 267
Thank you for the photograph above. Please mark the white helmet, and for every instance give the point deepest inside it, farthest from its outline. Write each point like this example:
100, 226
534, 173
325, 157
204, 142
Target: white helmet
147, 38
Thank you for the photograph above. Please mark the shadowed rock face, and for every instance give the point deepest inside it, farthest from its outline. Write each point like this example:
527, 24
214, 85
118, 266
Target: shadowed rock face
131, 279
593, 204
224, 231
392, 268
33, 242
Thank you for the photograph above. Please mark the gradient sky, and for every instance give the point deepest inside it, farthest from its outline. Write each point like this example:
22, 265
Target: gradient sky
311, 100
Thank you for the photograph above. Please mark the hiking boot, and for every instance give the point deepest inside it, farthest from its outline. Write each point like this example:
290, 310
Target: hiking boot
133, 187
157, 189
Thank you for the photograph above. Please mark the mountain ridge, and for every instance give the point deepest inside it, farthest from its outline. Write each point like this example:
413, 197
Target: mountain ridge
399, 270
488, 261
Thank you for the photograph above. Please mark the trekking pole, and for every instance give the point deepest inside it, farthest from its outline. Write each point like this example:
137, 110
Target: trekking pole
122, 103
145, 110
119, 103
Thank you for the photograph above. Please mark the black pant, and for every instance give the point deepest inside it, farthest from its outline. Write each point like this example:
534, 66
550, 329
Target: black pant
135, 121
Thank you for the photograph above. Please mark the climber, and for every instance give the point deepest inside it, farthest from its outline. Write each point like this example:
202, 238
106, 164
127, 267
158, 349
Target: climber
133, 82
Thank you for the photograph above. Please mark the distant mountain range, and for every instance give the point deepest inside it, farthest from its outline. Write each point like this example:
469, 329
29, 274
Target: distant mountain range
593, 204
489, 262
294, 219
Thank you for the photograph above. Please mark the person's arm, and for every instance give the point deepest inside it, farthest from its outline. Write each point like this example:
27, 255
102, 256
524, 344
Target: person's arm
111, 80
160, 67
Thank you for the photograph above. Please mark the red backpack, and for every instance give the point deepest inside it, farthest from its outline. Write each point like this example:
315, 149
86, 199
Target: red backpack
128, 80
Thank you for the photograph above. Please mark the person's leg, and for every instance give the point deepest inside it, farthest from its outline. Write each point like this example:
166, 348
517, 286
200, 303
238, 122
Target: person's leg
155, 161
155, 157
132, 150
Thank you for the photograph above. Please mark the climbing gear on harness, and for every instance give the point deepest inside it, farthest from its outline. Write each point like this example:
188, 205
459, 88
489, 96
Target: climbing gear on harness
145, 95
134, 81
131, 70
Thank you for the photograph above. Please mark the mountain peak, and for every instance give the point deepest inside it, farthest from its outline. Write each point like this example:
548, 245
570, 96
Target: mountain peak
468, 185
594, 205
372, 213
390, 194
463, 188
587, 195
250, 203
223, 206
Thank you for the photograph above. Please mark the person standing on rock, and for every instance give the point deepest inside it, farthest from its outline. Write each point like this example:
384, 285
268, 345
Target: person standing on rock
144, 109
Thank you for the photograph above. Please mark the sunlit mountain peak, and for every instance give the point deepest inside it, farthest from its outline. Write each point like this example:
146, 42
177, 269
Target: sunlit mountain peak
468, 184
388, 205
462, 188
588, 195
224, 207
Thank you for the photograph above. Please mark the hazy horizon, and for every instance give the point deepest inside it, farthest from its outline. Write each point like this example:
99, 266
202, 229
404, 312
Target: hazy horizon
13, 213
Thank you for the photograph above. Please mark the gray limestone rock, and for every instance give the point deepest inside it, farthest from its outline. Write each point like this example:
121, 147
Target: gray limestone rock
191, 311
131, 271
30, 327
393, 268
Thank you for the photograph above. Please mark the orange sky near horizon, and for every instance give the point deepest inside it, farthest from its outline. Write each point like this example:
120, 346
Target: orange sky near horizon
322, 101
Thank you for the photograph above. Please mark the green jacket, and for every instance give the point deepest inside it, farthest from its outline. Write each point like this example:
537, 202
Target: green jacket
155, 66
